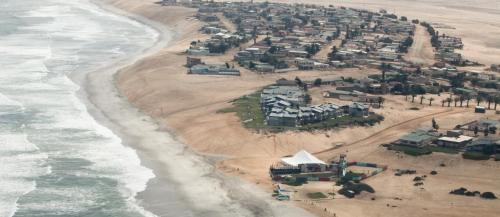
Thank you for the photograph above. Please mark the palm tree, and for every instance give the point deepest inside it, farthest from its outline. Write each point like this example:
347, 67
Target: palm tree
461, 100
468, 99
413, 97
422, 99
456, 99
479, 99
489, 102
442, 102
380, 101
430, 101
448, 100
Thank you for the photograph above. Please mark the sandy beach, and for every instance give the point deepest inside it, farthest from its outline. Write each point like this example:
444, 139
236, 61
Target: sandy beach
170, 100
186, 184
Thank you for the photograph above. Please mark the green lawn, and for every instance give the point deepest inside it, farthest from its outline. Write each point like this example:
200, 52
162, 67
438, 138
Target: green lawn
443, 150
471, 155
343, 121
248, 110
410, 150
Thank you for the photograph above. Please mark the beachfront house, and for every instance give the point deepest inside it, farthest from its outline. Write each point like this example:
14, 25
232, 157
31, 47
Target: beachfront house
454, 141
418, 138
358, 110
487, 145
213, 69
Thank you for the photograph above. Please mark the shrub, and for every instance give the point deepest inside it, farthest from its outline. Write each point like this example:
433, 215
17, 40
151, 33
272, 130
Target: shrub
443, 149
475, 155
413, 151
316, 195
357, 188
488, 195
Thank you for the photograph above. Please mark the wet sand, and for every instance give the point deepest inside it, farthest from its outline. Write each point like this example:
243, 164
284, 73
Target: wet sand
186, 183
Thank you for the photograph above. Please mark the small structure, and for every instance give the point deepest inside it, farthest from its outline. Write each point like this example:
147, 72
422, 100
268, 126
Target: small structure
358, 110
480, 109
305, 161
489, 145
418, 138
192, 61
454, 142
340, 167
213, 69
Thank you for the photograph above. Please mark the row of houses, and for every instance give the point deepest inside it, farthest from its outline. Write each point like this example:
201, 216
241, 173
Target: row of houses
213, 69
455, 139
295, 33
288, 106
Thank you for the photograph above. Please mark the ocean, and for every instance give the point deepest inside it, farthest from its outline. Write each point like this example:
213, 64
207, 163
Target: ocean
55, 158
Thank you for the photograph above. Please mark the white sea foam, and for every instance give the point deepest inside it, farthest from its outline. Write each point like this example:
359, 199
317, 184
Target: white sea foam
64, 37
20, 163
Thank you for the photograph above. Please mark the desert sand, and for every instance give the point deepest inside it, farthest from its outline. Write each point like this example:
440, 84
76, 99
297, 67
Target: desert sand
187, 105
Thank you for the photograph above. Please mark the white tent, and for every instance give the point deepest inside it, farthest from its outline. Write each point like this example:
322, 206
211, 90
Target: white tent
302, 157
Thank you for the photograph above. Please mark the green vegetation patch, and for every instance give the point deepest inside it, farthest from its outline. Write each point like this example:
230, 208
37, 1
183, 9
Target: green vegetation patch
295, 181
472, 155
357, 188
343, 121
413, 151
248, 110
443, 150
316, 195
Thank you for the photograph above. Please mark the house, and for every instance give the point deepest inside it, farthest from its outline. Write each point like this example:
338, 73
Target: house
487, 145
263, 67
198, 51
192, 61
358, 110
282, 119
297, 53
213, 69
418, 138
454, 142
483, 124
340, 94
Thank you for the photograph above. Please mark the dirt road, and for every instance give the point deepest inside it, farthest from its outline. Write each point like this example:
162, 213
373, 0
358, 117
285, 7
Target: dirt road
421, 52
386, 135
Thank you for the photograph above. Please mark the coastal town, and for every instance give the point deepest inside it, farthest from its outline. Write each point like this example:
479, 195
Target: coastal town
330, 108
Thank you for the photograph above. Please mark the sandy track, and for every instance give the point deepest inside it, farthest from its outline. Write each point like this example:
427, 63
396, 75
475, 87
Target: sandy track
421, 52
384, 136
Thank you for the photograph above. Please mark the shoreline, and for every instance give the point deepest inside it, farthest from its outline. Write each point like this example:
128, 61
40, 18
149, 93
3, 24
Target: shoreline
188, 104
151, 142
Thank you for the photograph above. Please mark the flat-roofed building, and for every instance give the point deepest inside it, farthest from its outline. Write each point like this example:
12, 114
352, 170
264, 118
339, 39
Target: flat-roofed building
454, 142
